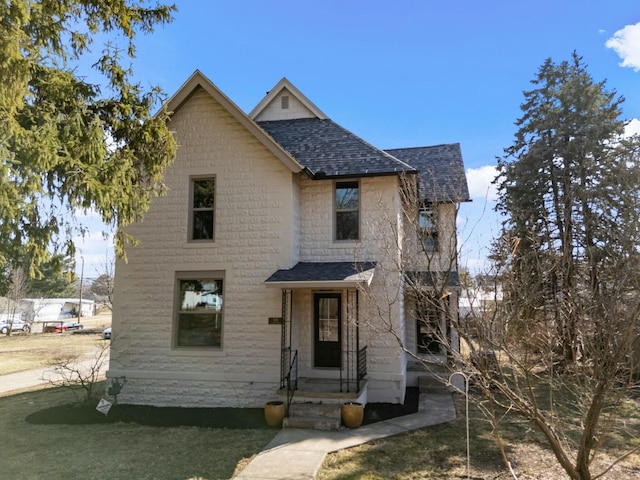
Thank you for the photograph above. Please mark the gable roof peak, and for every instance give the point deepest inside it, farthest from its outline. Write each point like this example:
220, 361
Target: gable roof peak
293, 104
198, 80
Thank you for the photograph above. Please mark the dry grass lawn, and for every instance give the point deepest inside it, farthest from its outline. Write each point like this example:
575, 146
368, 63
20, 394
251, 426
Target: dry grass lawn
439, 452
20, 351
115, 451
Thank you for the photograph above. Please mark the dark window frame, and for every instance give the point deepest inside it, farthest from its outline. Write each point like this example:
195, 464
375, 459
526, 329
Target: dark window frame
429, 316
428, 231
342, 213
201, 211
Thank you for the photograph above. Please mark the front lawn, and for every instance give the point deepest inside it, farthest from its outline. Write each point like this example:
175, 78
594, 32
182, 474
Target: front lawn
440, 452
115, 450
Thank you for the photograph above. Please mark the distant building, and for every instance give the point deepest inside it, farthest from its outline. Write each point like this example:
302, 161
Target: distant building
41, 310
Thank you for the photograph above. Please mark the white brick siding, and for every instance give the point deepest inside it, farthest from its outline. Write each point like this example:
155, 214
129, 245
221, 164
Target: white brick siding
253, 237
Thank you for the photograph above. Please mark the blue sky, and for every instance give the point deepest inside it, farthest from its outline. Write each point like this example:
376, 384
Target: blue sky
398, 74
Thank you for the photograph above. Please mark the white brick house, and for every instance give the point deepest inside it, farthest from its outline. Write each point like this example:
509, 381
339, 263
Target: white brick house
251, 272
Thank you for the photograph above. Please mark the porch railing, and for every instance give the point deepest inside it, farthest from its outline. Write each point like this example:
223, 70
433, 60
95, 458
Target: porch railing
291, 379
362, 365
351, 377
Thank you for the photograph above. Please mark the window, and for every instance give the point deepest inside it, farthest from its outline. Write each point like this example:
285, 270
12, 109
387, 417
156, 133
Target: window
347, 211
202, 208
199, 311
428, 229
429, 329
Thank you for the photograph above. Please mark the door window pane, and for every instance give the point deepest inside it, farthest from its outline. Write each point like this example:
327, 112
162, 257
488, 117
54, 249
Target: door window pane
328, 320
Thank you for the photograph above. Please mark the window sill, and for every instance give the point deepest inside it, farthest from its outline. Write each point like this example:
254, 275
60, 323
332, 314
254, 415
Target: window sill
340, 243
197, 352
200, 243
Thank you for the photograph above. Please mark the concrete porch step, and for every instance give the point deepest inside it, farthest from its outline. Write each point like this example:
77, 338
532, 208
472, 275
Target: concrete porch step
326, 410
312, 423
315, 416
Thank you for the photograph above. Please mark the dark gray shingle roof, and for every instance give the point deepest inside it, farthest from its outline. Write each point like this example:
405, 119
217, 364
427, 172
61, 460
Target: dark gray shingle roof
320, 271
431, 279
442, 176
328, 150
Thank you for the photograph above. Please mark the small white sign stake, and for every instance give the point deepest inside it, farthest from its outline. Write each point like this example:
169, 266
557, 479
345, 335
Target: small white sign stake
104, 406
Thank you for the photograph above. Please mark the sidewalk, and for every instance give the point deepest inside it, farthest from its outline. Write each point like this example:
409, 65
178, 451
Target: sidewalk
20, 381
296, 454
13, 383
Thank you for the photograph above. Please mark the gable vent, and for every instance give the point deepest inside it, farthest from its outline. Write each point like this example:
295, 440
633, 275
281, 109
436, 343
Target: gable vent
284, 102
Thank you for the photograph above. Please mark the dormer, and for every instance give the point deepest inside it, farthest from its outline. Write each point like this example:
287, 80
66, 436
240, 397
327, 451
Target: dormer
285, 102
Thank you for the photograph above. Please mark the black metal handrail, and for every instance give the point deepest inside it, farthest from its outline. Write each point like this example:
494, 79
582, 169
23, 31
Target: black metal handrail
291, 378
362, 365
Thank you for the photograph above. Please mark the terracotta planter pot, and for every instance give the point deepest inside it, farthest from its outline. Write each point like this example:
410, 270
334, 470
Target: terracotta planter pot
274, 413
352, 414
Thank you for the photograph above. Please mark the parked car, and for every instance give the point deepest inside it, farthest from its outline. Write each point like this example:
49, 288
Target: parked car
15, 325
56, 328
106, 334
74, 326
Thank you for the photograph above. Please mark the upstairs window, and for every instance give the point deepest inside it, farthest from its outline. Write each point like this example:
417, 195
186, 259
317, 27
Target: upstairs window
428, 229
347, 208
201, 221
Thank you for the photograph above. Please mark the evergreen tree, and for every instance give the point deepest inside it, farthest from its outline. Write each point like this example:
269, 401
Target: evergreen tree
56, 280
68, 144
569, 186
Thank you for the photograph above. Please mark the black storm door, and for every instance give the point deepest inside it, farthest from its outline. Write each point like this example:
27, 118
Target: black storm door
328, 329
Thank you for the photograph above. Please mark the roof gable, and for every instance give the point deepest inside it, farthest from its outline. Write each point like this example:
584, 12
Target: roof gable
285, 102
196, 81
441, 171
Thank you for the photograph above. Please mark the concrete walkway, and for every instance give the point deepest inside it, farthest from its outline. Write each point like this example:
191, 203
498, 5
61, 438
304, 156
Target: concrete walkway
14, 383
297, 454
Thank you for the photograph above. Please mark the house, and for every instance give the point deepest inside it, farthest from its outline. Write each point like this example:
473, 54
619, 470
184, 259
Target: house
257, 276
40, 311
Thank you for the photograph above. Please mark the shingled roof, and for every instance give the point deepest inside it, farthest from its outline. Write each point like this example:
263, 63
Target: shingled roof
442, 176
328, 150
324, 273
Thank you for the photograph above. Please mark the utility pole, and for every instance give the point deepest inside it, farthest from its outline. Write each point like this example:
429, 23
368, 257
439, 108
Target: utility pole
80, 296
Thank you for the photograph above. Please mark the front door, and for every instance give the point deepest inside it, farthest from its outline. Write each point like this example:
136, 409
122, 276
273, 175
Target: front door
328, 329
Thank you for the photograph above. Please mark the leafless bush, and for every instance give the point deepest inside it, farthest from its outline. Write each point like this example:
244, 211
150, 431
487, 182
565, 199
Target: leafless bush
80, 374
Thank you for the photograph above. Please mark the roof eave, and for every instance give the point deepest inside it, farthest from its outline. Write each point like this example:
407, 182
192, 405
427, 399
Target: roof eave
450, 200
325, 284
323, 176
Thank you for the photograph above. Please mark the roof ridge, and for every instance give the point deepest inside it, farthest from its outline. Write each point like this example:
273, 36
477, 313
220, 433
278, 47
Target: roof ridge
373, 146
424, 146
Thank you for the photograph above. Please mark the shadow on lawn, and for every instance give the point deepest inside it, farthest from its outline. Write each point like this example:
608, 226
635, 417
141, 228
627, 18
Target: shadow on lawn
239, 418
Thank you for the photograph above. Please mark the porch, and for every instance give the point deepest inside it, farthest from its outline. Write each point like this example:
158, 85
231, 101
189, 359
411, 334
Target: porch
322, 359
